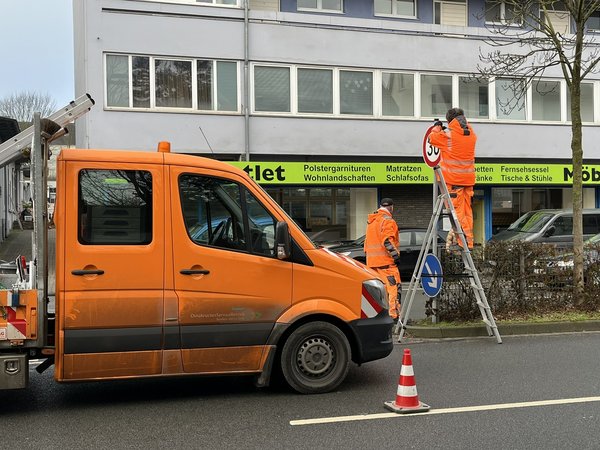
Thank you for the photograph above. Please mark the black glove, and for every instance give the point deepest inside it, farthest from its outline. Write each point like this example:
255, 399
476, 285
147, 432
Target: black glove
397, 261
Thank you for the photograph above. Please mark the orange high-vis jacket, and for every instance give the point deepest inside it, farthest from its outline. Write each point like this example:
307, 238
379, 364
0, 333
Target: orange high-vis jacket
380, 226
457, 145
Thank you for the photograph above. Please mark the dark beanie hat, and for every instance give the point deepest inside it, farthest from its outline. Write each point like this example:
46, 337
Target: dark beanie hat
453, 113
386, 202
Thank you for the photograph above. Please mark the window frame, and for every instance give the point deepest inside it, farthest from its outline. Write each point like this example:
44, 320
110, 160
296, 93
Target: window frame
395, 14
440, 2
212, 4
194, 74
557, 11
243, 193
503, 20
150, 208
320, 8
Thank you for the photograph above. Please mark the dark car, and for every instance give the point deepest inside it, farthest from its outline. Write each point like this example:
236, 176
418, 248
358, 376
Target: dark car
411, 241
550, 226
561, 266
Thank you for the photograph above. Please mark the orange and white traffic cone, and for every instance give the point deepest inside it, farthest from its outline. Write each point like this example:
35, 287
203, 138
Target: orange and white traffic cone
407, 399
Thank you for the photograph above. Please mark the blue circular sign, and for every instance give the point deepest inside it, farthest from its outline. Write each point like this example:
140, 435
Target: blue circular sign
432, 277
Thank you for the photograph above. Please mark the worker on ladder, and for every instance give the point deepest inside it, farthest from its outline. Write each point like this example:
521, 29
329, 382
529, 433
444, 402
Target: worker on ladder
382, 248
457, 146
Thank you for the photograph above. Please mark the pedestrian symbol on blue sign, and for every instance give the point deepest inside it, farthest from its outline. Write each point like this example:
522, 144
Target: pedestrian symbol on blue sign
431, 277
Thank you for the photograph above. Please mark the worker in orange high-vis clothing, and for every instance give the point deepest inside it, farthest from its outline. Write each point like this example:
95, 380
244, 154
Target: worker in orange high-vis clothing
457, 146
382, 248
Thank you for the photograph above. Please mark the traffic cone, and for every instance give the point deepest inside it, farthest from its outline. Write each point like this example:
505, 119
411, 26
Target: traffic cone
407, 399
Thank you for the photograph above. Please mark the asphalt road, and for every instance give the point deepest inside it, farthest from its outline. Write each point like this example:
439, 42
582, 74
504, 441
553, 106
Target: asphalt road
226, 413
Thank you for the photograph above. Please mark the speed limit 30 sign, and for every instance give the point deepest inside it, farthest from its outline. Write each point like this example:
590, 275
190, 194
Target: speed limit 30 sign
431, 154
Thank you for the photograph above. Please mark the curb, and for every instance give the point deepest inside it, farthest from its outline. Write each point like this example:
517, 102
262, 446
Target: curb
504, 330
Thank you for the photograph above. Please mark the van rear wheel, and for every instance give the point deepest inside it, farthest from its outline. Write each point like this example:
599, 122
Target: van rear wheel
315, 358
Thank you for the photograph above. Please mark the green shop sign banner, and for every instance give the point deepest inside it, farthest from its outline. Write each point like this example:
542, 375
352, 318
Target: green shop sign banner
356, 173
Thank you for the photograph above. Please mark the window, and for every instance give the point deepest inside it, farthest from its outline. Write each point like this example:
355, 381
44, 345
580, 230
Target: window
320, 5
557, 16
500, 12
395, 8
115, 207
117, 80
436, 95
510, 99
272, 89
587, 102
593, 23
221, 213
450, 12
222, 86
203, 2
473, 97
173, 83
356, 92
398, 94
140, 69
172, 86
545, 100
563, 225
315, 91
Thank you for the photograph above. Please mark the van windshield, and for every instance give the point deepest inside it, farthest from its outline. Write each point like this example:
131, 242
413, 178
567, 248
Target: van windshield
532, 222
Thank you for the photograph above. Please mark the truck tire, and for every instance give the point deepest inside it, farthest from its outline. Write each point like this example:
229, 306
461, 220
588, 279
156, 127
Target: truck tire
315, 358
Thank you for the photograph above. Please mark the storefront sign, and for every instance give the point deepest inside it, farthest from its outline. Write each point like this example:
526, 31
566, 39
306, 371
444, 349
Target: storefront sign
364, 173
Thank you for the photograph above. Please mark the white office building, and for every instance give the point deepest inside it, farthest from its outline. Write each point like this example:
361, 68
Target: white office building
326, 102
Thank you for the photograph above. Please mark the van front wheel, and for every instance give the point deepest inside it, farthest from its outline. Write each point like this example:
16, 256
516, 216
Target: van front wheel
315, 358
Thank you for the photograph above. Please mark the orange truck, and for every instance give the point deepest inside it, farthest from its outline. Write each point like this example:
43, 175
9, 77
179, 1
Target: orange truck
172, 265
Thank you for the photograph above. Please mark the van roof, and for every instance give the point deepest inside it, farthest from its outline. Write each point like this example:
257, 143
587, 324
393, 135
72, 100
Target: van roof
146, 157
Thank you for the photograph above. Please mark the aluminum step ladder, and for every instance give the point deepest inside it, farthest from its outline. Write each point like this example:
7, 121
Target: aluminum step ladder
443, 206
11, 150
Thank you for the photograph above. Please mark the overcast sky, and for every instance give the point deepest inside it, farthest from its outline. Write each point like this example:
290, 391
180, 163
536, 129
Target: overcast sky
36, 48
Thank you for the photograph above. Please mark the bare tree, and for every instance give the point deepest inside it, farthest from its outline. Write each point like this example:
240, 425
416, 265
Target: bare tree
22, 105
529, 39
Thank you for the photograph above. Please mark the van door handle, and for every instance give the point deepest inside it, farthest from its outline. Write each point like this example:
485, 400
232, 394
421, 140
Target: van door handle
88, 272
194, 272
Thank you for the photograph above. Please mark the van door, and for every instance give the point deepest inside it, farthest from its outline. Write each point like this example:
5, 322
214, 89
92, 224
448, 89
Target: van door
111, 311
230, 286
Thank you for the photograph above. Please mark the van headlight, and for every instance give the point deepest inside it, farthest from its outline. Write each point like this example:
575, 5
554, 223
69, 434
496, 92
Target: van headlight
376, 289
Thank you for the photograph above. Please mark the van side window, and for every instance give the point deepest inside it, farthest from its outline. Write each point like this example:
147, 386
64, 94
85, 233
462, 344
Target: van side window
115, 207
261, 227
563, 225
220, 213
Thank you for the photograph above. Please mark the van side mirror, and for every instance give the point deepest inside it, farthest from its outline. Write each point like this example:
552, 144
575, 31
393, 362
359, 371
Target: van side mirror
282, 240
550, 231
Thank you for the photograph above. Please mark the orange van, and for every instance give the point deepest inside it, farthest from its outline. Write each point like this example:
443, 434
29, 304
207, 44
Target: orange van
170, 264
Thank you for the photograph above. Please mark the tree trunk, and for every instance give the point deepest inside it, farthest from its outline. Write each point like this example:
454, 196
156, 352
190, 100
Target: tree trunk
577, 150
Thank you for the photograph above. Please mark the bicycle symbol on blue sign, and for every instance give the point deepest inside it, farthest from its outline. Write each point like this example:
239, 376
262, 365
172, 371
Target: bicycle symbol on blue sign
432, 276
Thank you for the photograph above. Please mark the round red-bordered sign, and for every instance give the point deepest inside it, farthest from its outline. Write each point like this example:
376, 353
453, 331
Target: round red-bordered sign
431, 154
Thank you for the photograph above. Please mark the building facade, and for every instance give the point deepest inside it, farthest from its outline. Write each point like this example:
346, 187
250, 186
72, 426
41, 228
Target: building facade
326, 102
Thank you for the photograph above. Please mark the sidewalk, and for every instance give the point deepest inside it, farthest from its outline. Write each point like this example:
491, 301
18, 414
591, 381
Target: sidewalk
18, 242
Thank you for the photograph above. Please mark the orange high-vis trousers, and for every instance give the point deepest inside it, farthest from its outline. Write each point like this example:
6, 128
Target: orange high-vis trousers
391, 278
464, 210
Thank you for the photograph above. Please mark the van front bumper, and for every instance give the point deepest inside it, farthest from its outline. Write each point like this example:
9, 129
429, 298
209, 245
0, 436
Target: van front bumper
373, 337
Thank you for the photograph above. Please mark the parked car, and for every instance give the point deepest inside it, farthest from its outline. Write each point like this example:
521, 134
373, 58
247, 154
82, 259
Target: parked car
561, 266
411, 241
552, 226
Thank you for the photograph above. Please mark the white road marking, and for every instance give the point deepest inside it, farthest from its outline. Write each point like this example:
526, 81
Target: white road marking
562, 401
